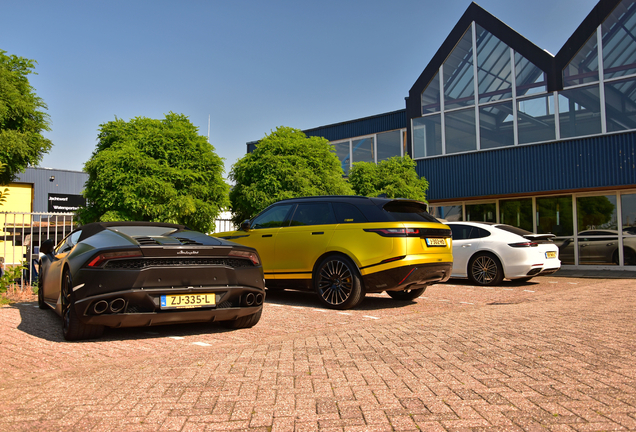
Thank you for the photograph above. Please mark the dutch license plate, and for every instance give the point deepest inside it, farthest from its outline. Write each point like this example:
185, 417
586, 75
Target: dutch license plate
435, 242
550, 254
187, 301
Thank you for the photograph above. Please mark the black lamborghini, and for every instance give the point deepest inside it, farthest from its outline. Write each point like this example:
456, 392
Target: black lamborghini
128, 274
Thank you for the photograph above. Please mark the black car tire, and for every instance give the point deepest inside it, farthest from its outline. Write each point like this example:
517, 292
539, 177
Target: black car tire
338, 283
409, 294
72, 328
485, 269
41, 303
243, 322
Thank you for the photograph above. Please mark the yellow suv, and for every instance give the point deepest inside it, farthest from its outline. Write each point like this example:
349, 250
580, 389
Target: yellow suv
342, 247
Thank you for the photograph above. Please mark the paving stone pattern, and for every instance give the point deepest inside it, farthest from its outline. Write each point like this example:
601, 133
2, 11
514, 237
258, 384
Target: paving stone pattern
555, 354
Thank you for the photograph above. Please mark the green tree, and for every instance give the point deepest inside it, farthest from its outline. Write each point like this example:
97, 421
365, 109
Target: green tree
396, 177
4, 193
22, 119
154, 170
285, 164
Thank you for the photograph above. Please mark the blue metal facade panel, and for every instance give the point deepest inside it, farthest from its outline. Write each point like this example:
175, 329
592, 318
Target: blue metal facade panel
597, 162
365, 126
64, 182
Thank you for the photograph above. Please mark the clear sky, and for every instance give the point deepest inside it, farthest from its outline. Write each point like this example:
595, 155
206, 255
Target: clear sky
251, 65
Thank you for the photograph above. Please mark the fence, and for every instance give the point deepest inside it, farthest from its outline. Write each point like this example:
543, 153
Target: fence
21, 235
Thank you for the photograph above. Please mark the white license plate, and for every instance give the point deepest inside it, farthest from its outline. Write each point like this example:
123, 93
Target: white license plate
187, 301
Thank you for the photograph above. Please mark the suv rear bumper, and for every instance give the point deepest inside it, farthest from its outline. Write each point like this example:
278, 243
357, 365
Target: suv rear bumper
407, 277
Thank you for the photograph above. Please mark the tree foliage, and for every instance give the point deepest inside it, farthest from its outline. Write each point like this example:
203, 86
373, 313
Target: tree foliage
3, 193
154, 170
395, 177
285, 164
22, 117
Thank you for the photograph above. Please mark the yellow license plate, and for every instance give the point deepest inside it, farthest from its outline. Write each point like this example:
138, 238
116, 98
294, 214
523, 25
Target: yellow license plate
550, 254
187, 301
435, 242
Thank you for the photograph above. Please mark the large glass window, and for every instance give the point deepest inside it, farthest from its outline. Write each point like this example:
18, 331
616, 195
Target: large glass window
496, 125
362, 150
628, 216
516, 212
584, 66
481, 212
619, 36
459, 86
389, 144
529, 78
597, 237
494, 71
342, 151
460, 131
449, 213
535, 119
313, 214
554, 215
580, 112
427, 136
620, 105
431, 96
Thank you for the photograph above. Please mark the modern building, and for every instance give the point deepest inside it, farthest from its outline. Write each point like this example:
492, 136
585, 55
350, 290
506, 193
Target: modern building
507, 132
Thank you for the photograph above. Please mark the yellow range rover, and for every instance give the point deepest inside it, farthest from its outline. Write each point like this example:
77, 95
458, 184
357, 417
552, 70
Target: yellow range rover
342, 247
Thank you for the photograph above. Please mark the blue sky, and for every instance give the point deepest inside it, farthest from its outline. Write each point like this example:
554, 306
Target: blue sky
250, 65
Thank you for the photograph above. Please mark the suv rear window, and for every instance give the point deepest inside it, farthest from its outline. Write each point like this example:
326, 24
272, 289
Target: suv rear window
408, 212
347, 213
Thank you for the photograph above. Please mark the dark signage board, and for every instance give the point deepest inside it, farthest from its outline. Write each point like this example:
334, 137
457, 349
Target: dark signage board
65, 203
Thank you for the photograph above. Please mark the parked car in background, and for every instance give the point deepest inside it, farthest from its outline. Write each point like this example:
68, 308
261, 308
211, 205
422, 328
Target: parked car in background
128, 274
486, 253
600, 247
342, 247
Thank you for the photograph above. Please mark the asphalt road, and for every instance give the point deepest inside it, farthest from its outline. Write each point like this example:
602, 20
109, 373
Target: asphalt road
555, 354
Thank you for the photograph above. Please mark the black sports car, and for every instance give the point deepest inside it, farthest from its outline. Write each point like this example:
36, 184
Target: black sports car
128, 274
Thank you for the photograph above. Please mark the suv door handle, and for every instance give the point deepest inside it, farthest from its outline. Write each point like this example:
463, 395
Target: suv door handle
266, 235
317, 233
467, 245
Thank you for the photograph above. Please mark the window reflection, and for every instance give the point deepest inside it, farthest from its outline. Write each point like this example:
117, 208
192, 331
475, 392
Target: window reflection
451, 213
481, 212
529, 78
342, 151
598, 236
459, 87
580, 112
362, 150
619, 34
535, 119
431, 96
460, 131
389, 144
427, 136
494, 71
496, 126
584, 66
620, 105
554, 215
517, 212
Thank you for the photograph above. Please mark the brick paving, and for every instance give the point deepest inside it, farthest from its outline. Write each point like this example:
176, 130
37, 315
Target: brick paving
554, 354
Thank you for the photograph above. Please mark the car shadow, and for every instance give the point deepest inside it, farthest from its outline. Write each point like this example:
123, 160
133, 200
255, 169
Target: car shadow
47, 325
504, 283
308, 299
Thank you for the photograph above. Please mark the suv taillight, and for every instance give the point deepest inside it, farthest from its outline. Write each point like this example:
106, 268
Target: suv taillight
395, 232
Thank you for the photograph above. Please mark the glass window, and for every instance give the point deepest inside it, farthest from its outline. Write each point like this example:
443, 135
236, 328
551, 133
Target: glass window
342, 151
389, 144
554, 216
584, 66
272, 217
477, 233
68, 243
363, 150
516, 212
620, 105
427, 136
348, 213
481, 212
580, 112
496, 125
529, 78
430, 96
459, 87
596, 213
536, 119
313, 214
619, 41
460, 232
494, 71
460, 131
449, 213
628, 213
566, 250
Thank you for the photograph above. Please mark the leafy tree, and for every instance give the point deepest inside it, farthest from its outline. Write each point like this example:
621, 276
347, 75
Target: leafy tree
285, 164
395, 177
22, 118
154, 170
4, 193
